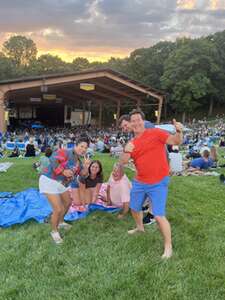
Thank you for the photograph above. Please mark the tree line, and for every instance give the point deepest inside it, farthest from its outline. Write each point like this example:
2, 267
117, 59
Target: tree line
191, 72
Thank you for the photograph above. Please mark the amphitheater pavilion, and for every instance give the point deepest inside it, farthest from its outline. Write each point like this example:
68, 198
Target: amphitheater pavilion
53, 97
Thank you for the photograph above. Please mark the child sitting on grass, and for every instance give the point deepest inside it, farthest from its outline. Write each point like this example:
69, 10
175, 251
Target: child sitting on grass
118, 190
15, 152
89, 187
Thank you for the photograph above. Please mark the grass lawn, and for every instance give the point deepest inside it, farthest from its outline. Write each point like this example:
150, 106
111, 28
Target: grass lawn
98, 260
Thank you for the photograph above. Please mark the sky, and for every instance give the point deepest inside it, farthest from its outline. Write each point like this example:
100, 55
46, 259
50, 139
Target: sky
100, 29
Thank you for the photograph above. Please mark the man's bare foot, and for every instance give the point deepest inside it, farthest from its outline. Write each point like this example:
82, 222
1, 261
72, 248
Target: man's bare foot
135, 230
168, 252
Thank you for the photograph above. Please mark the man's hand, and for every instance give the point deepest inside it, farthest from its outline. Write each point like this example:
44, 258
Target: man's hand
178, 126
177, 138
125, 156
86, 162
129, 147
67, 173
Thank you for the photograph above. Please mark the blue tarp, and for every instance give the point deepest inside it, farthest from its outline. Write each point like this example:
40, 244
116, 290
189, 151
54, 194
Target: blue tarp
30, 204
37, 126
171, 128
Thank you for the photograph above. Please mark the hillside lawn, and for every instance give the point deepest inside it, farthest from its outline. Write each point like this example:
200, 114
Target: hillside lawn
98, 260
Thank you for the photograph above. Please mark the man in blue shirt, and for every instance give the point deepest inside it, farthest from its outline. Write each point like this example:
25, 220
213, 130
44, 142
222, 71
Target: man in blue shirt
124, 124
202, 163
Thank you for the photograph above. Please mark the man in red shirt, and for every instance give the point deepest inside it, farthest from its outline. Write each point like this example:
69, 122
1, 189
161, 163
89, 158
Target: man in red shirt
147, 150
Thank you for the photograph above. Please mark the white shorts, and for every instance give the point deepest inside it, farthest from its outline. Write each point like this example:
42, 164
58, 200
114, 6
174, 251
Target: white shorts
51, 186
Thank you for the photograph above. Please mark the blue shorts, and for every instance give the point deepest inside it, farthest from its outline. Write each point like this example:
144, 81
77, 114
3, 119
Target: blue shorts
156, 192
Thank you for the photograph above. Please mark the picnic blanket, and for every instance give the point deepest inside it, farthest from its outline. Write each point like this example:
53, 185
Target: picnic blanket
5, 166
197, 173
30, 204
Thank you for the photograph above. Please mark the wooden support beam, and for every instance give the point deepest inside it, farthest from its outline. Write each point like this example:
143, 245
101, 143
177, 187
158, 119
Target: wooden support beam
114, 90
103, 95
100, 114
83, 113
118, 112
159, 109
82, 96
2, 112
143, 105
133, 85
51, 81
138, 103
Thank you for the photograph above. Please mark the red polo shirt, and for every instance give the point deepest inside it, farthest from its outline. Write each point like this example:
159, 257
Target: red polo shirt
149, 155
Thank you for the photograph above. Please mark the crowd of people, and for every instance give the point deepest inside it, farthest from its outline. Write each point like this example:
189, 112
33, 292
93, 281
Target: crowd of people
70, 176
36, 141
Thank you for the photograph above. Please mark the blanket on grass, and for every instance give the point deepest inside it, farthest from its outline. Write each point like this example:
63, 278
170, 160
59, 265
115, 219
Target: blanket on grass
5, 166
30, 204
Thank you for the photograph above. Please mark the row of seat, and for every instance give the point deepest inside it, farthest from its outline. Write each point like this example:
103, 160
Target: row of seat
22, 146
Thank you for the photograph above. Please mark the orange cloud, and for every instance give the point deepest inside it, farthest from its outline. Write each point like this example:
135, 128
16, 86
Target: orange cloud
93, 55
192, 4
217, 4
186, 4
101, 54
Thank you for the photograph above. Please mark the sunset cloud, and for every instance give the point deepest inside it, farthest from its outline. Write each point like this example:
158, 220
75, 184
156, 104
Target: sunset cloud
99, 29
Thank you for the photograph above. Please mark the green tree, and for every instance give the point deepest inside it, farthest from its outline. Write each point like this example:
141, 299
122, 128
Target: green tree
188, 74
97, 65
20, 49
7, 68
117, 64
218, 40
80, 64
48, 64
147, 64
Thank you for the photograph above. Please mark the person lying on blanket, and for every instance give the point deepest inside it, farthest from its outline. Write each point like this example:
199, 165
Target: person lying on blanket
198, 165
118, 190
